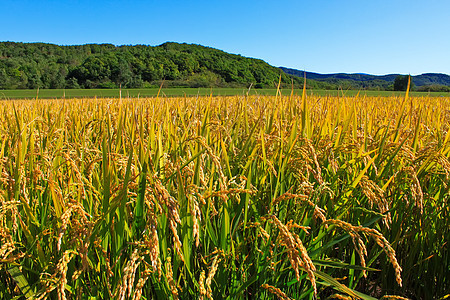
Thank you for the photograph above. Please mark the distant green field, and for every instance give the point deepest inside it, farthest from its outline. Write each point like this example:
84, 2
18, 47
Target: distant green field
176, 92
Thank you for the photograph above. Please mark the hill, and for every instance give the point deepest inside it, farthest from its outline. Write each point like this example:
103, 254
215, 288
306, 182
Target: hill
33, 65
432, 79
359, 80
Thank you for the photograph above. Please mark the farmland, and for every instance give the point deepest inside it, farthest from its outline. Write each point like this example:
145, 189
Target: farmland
287, 195
181, 92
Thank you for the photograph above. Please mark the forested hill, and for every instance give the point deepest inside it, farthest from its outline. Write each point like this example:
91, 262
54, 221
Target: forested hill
41, 65
33, 65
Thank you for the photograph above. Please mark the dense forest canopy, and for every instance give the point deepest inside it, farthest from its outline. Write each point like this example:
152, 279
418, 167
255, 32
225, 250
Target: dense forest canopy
40, 65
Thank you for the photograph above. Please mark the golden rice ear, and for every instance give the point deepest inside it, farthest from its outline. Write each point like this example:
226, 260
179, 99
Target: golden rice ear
355, 231
211, 273
275, 291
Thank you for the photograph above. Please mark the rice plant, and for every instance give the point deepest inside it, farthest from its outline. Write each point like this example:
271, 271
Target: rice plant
249, 197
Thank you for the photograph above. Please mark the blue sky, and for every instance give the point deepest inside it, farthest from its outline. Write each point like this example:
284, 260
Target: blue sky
376, 37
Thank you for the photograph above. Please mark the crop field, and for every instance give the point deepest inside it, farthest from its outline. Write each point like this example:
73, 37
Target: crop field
279, 196
191, 92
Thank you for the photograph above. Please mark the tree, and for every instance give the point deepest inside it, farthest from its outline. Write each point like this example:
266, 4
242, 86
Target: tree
72, 83
4, 79
401, 83
121, 73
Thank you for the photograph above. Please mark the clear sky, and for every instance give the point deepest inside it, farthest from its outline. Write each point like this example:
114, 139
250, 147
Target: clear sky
364, 36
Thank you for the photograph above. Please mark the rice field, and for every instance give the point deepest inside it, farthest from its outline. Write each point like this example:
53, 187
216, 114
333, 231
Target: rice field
237, 197
191, 92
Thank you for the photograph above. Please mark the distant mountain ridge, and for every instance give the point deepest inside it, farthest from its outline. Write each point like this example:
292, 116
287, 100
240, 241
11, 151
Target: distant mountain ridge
418, 80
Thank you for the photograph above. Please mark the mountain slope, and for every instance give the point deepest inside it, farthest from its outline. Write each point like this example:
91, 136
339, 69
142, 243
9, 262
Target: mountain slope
431, 79
358, 78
